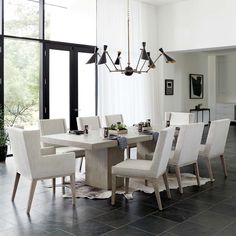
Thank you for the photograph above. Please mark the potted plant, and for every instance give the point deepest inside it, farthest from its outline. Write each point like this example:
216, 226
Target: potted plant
3, 138
118, 128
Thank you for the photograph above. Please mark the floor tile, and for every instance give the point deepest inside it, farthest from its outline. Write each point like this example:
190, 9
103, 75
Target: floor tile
188, 228
175, 214
128, 231
88, 228
116, 218
211, 219
153, 224
224, 209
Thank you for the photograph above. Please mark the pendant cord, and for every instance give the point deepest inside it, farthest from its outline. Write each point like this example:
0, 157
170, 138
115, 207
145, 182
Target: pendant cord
128, 20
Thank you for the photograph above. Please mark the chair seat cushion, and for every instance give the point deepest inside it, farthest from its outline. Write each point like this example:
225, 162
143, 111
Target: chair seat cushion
79, 152
132, 168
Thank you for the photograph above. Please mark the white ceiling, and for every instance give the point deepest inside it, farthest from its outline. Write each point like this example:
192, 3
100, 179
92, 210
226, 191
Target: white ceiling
161, 2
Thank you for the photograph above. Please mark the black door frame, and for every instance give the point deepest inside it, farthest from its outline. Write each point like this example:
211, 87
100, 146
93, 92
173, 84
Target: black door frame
73, 49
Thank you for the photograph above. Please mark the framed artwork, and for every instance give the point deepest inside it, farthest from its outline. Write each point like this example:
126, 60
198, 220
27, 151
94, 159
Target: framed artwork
196, 86
169, 87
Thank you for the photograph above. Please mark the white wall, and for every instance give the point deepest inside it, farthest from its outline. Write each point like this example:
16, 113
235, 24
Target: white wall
226, 79
196, 24
188, 63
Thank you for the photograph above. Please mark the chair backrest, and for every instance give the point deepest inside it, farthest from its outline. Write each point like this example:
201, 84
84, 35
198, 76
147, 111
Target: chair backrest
52, 126
113, 119
93, 122
162, 152
188, 144
216, 139
179, 118
25, 146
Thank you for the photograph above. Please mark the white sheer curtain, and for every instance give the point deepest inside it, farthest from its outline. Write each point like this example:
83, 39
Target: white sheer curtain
136, 97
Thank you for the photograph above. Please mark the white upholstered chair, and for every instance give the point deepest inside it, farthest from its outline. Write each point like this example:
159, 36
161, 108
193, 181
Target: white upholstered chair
179, 118
215, 144
31, 164
57, 126
146, 169
93, 122
187, 149
113, 119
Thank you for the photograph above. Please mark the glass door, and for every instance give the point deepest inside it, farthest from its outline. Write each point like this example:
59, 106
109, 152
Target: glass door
69, 85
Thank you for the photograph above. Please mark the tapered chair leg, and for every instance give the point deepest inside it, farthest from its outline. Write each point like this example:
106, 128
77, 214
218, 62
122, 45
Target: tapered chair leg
126, 185
197, 173
113, 197
157, 193
17, 178
128, 152
72, 183
54, 185
81, 164
178, 176
31, 195
209, 169
224, 165
63, 185
146, 182
165, 178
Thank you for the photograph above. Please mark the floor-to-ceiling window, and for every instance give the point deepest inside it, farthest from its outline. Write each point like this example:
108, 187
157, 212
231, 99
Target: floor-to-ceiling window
29, 89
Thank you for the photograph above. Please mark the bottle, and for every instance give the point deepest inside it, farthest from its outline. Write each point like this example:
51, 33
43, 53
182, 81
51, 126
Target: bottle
86, 129
140, 127
167, 123
106, 132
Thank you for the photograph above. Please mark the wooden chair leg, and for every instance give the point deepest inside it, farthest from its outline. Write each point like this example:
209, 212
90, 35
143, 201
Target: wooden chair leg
126, 185
146, 182
178, 176
81, 164
72, 183
31, 195
224, 165
113, 197
209, 169
165, 178
17, 178
54, 185
128, 152
63, 184
197, 173
157, 193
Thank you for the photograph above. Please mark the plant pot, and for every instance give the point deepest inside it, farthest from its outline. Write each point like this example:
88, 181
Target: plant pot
3, 153
117, 132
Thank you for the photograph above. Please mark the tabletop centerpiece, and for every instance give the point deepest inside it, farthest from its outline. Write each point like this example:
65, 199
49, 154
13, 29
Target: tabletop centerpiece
118, 128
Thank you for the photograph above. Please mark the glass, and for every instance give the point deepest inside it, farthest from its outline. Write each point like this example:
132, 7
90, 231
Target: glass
86, 86
71, 21
59, 84
21, 82
21, 18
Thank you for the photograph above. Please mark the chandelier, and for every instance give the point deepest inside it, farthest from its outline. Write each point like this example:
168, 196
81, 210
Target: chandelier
144, 58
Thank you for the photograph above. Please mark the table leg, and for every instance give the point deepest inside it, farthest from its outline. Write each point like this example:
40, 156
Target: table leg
98, 166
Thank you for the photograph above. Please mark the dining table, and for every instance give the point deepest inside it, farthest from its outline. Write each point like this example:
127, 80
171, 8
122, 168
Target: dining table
102, 153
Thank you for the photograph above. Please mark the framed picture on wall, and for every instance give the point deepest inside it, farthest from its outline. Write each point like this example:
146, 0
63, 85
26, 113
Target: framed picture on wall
196, 86
169, 87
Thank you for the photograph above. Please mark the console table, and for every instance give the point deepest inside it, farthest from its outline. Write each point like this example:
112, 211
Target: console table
202, 110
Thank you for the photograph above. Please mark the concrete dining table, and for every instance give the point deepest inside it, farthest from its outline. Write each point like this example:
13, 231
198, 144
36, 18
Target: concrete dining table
100, 153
